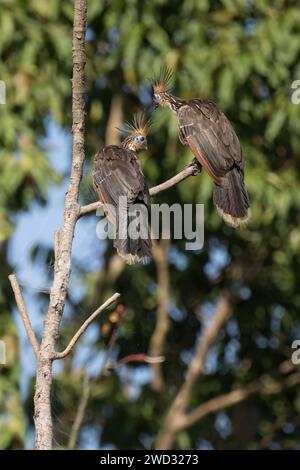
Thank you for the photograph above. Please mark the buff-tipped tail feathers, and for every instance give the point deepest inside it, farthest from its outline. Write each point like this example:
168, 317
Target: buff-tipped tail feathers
231, 199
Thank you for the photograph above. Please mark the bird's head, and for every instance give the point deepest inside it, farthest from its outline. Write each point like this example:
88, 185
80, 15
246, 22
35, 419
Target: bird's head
136, 132
160, 99
161, 88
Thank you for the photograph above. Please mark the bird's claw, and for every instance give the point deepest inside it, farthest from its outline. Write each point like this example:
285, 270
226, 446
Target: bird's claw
196, 165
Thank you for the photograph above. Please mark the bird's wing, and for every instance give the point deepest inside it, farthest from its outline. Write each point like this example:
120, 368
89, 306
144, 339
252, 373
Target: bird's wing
117, 172
210, 136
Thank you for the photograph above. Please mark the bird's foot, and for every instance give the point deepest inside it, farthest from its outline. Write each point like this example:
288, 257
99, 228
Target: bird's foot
196, 165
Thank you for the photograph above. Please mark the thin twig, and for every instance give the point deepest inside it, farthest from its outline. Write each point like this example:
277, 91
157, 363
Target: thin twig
84, 399
89, 208
90, 319
182, 175
190, 170
23, 312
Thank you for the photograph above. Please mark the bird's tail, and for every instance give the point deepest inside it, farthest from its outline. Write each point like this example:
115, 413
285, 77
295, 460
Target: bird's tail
231, 198
133, 242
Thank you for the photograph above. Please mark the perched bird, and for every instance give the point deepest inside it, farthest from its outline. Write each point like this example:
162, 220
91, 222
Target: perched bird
213, 141
119, 181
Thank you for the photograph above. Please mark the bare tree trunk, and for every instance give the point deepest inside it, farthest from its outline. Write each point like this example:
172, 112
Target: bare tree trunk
62, 269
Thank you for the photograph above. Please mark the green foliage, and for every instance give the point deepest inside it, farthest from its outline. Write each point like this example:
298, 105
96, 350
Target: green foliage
34, 48
12, 417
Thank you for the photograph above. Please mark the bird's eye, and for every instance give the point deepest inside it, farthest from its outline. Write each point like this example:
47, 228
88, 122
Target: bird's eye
139, 138
157, 96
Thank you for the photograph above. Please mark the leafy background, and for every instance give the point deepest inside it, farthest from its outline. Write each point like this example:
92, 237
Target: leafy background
242, 54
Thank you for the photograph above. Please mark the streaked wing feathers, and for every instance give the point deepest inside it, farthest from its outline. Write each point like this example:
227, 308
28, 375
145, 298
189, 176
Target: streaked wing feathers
209, 134
117, 172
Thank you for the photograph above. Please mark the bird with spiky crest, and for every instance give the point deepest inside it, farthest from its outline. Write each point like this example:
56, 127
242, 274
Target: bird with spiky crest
136, 132
213, 141
120, 184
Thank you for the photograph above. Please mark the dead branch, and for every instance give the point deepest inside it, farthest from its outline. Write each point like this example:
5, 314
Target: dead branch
23, 312
191, 170
84, 326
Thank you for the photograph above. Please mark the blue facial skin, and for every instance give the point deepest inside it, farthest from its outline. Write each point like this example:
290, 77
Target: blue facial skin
156, 100
141, 142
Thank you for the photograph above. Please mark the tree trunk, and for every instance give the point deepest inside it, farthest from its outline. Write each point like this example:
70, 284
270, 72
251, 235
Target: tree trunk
62, 268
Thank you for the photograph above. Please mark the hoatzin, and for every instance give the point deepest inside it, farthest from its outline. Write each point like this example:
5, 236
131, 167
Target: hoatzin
213, 141
119, 181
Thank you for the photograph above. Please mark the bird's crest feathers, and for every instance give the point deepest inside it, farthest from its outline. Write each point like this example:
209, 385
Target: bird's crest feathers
140, 125
164, 83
